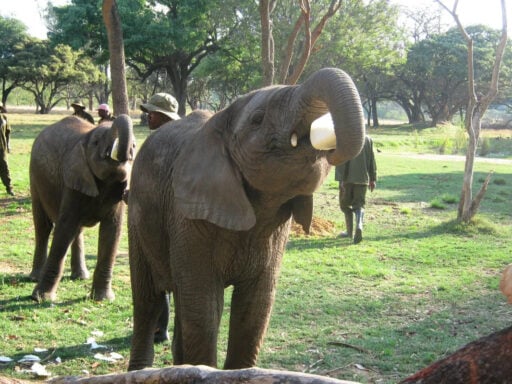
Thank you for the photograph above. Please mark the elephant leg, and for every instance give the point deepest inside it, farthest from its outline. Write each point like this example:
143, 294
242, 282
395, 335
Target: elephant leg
78, 267
65, 231
198, 311
161, 332
146, 311
108, 240
251, 305
42, 227
147, 307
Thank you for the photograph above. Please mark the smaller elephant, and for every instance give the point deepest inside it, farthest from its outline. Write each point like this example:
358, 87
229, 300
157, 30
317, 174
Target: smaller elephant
78, 175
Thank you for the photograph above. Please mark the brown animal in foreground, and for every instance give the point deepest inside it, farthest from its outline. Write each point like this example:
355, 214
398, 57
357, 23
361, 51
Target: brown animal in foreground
484, 361
506, 283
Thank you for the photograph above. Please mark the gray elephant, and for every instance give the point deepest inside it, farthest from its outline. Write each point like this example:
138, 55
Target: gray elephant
210, 206
78, 174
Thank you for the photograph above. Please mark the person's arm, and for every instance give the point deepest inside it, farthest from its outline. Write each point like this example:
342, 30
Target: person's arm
340, 173
8, 136
372, 168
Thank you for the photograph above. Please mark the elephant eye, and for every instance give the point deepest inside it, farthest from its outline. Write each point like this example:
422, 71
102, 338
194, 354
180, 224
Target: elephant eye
257, 117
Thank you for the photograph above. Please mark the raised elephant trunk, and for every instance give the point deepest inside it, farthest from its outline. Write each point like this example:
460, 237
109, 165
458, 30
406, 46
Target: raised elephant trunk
332, 90
122, 131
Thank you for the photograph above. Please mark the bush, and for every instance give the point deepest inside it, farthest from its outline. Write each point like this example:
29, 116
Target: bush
437, 203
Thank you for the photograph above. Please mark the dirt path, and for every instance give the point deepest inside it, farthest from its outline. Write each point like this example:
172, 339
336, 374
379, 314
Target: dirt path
452, 158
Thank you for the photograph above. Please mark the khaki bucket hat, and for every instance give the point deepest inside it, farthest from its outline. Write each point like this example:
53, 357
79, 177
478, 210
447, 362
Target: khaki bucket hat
163, 103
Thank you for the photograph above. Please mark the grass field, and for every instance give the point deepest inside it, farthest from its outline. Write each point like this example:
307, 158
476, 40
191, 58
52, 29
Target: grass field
417, 288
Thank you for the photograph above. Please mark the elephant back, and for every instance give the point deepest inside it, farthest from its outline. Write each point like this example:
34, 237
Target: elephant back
58, 138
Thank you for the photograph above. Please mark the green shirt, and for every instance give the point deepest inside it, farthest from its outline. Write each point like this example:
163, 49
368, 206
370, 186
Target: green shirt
5, 131
360, 170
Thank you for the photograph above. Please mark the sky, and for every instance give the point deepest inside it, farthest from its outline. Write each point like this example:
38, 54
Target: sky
470, 12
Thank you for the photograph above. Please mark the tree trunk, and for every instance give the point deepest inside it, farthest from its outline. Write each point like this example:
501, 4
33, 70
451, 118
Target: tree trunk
116, 50
375, 116
267, 42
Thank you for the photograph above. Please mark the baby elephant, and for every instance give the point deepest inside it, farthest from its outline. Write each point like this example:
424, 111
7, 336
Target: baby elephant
78, 174
210, 205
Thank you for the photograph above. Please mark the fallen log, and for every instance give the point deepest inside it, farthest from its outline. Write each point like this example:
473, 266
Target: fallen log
487, 360
188, 374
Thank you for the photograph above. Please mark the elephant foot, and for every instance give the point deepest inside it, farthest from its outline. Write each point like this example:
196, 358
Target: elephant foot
161, 335
80, 275
102, 294
40, 295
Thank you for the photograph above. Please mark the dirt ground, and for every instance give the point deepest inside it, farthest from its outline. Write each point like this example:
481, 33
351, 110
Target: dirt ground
319, 227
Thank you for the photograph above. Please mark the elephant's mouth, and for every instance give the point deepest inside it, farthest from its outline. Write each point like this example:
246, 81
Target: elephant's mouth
320, 135
114, 152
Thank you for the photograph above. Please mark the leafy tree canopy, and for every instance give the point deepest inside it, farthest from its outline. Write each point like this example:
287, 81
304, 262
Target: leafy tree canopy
14, 36
47, 71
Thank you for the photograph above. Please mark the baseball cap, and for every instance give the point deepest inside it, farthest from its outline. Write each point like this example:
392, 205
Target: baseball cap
163, 103
103, 107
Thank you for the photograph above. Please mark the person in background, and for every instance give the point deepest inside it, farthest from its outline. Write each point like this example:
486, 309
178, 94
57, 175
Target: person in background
80, 112
355, 177
104, 113
5, 133
161, 108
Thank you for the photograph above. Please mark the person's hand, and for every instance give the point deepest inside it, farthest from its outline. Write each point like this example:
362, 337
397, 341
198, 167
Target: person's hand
372, 185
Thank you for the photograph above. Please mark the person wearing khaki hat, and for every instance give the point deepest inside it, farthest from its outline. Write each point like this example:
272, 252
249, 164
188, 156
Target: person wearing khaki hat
161, 108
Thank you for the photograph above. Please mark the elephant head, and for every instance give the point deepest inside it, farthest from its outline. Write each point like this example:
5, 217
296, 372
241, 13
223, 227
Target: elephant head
104, 153
261, 143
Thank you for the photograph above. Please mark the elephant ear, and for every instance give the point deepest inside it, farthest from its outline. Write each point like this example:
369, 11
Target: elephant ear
302, 210
206, 183
77, 174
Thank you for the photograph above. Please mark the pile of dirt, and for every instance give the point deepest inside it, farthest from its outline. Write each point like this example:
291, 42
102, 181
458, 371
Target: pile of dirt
319, 227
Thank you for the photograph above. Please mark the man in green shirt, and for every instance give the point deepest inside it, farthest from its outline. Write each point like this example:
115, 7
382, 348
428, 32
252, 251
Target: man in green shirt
5, 132
355, 177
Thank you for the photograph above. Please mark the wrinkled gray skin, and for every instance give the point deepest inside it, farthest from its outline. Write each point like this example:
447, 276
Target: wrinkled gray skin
74, 183
211, 200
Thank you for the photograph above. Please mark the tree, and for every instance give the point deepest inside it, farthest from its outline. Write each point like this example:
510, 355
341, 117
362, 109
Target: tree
80, 25
435, 75
14, 36
46, 71
176, 36
300, 42
478, 103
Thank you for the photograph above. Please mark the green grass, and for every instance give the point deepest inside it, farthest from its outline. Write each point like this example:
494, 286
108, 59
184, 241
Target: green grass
418, 287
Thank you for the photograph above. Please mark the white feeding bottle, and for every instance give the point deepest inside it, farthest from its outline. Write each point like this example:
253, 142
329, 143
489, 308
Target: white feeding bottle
322, 134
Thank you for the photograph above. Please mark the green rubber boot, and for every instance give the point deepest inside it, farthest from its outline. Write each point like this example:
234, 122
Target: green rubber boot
349, 224
358, 237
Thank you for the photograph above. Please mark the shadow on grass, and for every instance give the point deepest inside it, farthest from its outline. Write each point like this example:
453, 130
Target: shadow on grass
15, 206
15, 304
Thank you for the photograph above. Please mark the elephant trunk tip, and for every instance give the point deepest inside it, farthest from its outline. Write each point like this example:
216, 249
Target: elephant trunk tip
122, 131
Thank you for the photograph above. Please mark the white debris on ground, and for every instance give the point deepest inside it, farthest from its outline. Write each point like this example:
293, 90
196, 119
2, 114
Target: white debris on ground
32, 364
